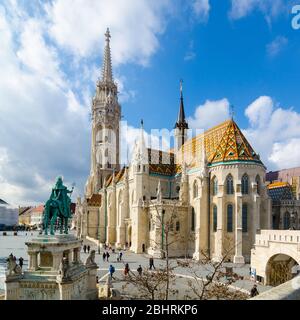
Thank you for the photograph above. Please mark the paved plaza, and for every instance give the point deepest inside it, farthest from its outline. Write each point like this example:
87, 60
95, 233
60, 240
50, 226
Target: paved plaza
16, 245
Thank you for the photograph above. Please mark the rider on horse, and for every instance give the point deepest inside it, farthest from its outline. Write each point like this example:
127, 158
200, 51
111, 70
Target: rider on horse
58, 206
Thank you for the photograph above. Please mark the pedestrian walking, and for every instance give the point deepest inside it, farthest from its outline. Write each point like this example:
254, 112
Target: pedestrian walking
111, 271
21, 260
84, 248
126, 269
120, 255
88, 249
107, 256
151, 263
104, 256
140, 270
254, 292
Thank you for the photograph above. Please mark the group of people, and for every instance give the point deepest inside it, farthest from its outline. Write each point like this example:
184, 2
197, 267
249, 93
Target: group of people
21, 260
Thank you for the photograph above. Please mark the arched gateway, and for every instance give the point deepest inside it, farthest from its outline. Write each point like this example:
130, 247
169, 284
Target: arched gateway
275, 258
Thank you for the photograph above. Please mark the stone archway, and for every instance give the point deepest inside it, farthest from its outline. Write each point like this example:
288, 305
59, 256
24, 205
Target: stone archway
279, 269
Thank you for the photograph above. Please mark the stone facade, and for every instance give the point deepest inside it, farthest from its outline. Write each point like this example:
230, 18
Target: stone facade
207, 195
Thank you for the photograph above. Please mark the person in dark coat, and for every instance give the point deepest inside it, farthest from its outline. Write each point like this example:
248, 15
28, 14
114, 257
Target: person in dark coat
84, 248
151, 263
140, 270
104, 256
88, 249
107, 256
21, 260
254, 292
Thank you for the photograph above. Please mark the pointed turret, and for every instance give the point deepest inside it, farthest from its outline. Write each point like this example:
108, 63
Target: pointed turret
107, 75
181, 122
181, 125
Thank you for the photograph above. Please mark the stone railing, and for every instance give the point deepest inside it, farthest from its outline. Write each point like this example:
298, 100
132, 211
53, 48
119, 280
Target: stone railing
289, 290
284, 236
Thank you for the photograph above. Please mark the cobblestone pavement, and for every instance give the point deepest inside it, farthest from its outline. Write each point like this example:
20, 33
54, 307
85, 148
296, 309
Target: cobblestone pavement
16, 245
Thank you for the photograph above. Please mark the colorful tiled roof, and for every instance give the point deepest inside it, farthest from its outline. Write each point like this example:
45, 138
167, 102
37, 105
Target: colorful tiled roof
280, 191
222, 143
161, 162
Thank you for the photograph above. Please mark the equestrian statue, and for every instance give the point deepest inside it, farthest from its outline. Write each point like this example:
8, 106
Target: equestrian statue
58, 208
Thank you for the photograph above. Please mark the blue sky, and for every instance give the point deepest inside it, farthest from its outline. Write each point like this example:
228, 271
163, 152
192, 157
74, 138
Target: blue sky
239, 52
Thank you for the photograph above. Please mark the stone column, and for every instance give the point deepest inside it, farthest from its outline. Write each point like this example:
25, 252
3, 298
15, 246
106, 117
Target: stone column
57, 257
33, 264
238, 257
219, 234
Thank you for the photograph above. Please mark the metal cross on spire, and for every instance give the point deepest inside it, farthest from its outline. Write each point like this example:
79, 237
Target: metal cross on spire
232, 113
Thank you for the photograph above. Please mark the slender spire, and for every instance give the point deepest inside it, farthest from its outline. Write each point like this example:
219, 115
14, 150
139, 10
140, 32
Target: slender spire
181, 122
107, 75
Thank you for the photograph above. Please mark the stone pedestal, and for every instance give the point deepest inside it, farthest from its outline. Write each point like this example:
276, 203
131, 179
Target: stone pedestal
55, 272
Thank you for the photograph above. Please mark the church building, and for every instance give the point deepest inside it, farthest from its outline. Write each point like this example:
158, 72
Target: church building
206, 196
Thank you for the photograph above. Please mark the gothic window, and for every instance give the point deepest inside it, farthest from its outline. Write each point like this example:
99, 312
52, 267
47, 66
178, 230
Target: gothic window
229, 218
177, 226
286, 221
229, 184
193, 220
245, 184
245, 217
195, 189
215, 218
215, 186
99, 136
257, 180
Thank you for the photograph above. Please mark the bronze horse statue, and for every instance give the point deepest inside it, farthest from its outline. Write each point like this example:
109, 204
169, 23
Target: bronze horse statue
57, 208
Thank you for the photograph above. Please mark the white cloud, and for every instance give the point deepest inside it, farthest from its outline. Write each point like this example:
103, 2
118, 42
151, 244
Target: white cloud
135, 26
274, 132
201, 9
48, 62
209, 114
269, 8
276, 46
260, 111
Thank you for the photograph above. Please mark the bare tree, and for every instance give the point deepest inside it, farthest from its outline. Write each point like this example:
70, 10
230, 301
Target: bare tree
217, 284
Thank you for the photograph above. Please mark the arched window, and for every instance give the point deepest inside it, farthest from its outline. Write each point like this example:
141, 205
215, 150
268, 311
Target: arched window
229, 218
195, 189
177, 225
245, 217
257, 180
229, 184
193, 219
215, 186
215, 218
245, 184
286, 221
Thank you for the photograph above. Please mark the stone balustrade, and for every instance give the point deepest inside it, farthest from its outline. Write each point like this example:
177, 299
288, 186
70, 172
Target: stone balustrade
282, 236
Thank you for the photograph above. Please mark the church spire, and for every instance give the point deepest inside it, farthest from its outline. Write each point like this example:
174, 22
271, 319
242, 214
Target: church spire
181, 122
107, 75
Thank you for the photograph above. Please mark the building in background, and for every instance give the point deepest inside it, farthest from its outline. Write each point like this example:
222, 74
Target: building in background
8, 215
284, 190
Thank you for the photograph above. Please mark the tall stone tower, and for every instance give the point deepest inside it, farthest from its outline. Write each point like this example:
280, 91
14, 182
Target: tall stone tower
106, 115
181, 125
